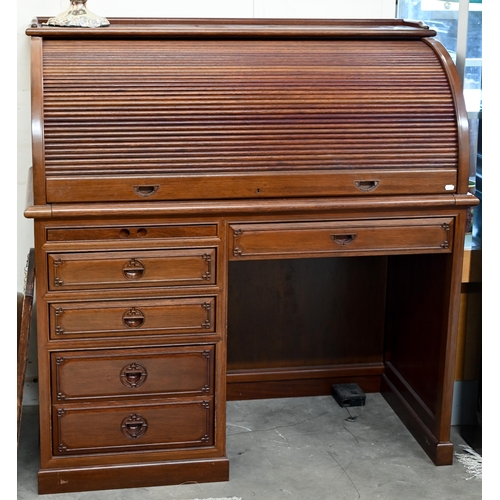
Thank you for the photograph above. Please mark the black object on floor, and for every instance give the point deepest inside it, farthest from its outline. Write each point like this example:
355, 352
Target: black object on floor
348, 395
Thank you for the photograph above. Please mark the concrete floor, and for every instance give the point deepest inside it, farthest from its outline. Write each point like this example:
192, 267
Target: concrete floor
297, 449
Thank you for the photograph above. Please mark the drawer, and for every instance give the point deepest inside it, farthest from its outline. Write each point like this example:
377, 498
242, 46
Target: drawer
390, 236
276, 184
129, 233
124, 428
130, 269
143, 372
106, 319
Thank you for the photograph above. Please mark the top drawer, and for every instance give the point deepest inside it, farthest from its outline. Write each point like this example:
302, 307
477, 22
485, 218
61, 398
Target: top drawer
132, 269
329, 238
126, 232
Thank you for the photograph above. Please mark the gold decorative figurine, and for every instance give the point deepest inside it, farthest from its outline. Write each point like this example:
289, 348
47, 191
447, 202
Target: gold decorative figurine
77, 15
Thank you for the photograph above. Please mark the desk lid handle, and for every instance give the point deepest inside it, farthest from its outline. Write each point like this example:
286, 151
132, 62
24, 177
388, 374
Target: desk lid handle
343, 239
367, 186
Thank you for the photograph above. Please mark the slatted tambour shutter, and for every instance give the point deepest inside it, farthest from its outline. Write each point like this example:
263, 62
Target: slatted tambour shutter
181, 109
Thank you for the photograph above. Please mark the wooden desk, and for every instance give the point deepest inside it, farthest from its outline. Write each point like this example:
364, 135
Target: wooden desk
230, 209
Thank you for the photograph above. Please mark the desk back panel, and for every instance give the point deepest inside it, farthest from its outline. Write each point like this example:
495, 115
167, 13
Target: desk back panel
306, 312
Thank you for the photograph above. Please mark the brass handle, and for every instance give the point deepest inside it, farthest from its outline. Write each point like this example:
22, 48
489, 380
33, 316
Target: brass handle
133, 318
145, 190
134, 426
367, 186
134, 269
343, 239
133, 375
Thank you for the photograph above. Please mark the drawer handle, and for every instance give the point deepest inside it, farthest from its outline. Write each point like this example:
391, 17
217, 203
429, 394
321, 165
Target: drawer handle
343, 239
133, 318
366, 186
133, 375
140, 233
145, 190
134, 269
134, 426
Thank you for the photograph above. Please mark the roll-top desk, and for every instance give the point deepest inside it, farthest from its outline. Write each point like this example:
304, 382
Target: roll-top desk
233, 210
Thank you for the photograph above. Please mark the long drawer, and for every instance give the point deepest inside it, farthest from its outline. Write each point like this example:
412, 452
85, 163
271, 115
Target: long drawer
130, 269
281, 240
252, 185
137, 317
164, 371
152, 425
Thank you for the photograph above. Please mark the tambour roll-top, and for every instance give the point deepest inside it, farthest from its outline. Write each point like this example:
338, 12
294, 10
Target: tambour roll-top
327, 109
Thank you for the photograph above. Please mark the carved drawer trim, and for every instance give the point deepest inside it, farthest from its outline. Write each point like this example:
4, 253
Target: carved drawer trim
153, 425
126, 318
356, 237
125, 373
132, 269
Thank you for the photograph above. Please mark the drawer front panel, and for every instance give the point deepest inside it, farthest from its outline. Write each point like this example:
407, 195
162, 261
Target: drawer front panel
125, 232
145, 372
265, 185
103, 270
132, 317
341, 238
112, 429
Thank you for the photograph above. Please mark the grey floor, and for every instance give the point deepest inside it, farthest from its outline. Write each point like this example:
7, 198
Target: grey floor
298, 449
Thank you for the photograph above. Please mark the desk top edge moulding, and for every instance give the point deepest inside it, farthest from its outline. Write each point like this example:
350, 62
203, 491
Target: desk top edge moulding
182, 166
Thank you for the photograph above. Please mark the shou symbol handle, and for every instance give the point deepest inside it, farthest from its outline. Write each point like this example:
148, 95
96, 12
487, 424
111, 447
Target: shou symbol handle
134, 426
134, 269
133, 318
343, 239
133, 375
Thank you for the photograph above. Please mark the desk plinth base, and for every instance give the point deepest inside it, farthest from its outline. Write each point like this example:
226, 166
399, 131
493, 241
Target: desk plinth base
440, 452
132, 475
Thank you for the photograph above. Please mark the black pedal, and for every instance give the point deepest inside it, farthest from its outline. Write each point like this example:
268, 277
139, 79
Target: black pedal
348, 395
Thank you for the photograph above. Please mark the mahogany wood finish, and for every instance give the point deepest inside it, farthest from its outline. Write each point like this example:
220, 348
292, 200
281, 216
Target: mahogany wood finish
230, 209
80, 271
132, 317
146, 372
